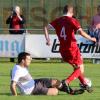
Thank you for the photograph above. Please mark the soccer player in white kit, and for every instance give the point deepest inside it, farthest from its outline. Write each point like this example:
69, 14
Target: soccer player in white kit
21, 78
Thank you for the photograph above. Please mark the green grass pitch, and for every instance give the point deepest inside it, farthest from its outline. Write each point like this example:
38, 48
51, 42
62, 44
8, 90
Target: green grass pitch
55, 70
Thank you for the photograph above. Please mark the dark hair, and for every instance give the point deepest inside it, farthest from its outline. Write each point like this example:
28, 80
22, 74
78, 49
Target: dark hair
66, 8
22, 56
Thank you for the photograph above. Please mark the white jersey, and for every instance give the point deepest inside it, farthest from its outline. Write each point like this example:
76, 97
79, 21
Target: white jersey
23, 79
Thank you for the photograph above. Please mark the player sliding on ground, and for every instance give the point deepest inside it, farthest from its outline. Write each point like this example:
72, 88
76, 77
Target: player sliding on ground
21, 79
65, 28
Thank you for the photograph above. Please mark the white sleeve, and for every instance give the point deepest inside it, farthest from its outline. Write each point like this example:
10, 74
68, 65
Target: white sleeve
50, 27
15, 76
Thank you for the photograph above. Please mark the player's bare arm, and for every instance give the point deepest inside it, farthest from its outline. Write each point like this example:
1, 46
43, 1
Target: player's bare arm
13, 88
47, 35
84, 34
46, 30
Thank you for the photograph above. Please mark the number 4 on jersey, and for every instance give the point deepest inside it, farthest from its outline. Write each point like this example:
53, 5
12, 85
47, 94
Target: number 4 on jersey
63, 33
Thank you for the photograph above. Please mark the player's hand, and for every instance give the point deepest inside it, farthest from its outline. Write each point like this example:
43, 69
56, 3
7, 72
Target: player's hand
48, 43
93, 39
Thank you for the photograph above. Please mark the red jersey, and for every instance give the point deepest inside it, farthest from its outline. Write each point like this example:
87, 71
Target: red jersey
65, 28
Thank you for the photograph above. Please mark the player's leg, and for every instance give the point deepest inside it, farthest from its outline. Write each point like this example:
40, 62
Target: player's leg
74, 58
81, 77
81, 74
45, 81
74, 75
52, 84
49, 82
66, 88
61, 86
83, 83
42, 87
55, 83
76, 61
52, 91
77, 74
82, 68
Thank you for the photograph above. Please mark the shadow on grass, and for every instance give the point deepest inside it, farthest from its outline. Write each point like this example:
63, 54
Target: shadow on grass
5, 94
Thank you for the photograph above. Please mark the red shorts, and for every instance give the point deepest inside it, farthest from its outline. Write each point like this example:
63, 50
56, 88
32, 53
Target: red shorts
72, 56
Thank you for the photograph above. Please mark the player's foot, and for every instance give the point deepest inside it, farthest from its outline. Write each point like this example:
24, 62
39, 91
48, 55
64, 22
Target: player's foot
77, 91
65, 87
86, 87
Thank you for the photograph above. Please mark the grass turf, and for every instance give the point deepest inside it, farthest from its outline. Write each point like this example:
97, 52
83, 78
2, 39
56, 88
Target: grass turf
54, 70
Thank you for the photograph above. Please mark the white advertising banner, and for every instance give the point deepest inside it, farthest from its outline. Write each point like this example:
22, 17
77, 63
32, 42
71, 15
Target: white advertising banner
11, 45
88, 49
36, 45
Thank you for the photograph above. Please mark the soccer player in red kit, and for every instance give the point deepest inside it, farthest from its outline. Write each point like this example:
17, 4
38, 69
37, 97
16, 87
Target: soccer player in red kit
65, 28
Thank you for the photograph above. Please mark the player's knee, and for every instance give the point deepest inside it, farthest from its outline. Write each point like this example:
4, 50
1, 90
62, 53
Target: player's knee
56, 92
76, 67
56, 83
82, 68
52, 91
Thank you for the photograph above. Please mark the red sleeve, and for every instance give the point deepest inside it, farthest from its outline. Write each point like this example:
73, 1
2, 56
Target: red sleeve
76, 24
54, 24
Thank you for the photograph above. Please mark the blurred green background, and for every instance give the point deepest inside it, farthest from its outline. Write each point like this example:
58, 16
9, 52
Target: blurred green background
41, 12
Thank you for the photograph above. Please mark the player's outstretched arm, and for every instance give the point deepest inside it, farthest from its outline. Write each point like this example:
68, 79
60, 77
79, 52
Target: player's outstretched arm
47, 35
84, 34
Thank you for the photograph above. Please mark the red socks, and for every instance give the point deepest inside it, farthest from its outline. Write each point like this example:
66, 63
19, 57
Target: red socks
74, 75
81, 78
